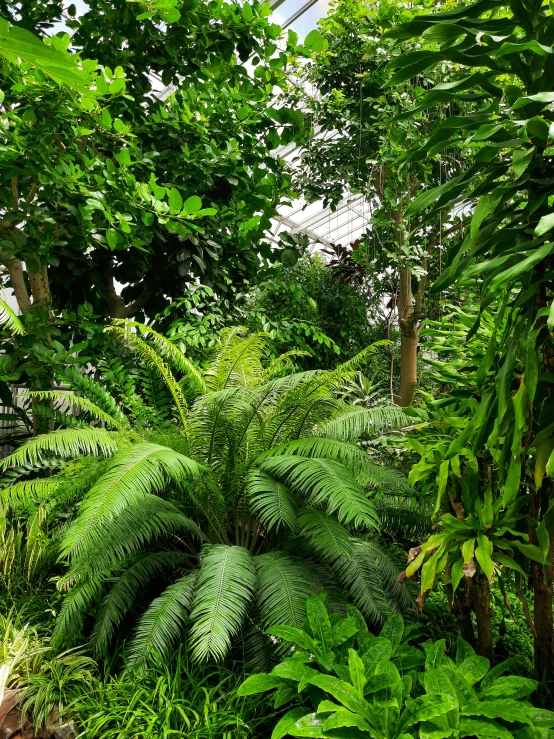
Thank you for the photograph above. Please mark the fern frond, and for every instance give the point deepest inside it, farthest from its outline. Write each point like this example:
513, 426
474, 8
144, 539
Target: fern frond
134, 473
150, 355
123, 594
87, 387
29, 492
75, 607
325, 482
357, 422
272, 502
403, 516
238, 362
168, 351
64, 443
359, 573
79, 402
325, 534
225, 587
162, 624
10, 320
284, 584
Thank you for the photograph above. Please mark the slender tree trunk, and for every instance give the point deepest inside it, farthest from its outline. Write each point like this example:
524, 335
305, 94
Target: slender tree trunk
460, 605
481, 596
541, 580
42, 307
409, 336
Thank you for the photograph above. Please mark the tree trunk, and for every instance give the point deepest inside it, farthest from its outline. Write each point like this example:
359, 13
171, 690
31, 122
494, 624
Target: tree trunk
481, 596
460, 605
42, 307
541, 580
409, 336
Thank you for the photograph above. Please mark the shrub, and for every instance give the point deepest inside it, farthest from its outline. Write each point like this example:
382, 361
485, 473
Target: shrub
346, 682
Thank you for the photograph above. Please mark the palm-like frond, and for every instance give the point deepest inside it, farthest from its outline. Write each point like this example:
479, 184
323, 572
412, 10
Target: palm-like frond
10, 320
162, 624
405, 516
95, 391
284, 584
150, 355
356, 422
325, 534
123, 594
135, 473
65, 443
168, 351
238, 361
76, 605
79, 402
325, 482
359, 573
226, 584
272, 502
29, 492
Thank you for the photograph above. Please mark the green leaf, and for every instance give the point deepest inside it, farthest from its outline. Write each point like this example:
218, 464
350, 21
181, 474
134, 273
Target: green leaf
474, 668
111, 238
175, 200
507, 709
482, 727
294, 635
287, 722
357, 671
393, 630
320, 625
530, 551
434, 654
259, 684
521, 159
483, 554
484, 208
424, 708
511, 686
314, 41
545, 224
510, 275
343, 630
192, 205
344, 693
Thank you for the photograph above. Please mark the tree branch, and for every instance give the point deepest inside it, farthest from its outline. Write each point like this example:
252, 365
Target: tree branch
17, 279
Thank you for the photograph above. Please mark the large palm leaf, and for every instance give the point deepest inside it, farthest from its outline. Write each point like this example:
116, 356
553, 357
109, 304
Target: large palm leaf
226, 585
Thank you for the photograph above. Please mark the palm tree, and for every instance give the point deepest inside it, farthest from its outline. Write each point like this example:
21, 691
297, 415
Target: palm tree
252, 497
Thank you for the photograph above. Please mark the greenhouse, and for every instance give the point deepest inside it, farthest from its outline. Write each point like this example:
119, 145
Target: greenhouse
276, 369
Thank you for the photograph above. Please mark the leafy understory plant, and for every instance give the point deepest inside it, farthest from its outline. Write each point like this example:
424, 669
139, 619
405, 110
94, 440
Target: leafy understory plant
246, 495
352, 684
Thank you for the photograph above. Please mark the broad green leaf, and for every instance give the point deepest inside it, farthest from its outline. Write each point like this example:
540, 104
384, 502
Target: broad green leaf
343, 630
192, 205
474, 668
484, 208
513, 273
506, 709
259, 684
344, 718
292, 634
357, 671
483, 554
293, 669
344, 693
540, 97
507, 561
393, 630
530, 551
457, 573
511, 686
175, 200
424, 708
111, 238
521, 159
319, 622
287, 722
545, 224
498, 670
314, 41
434, 654
310, 725
482, 727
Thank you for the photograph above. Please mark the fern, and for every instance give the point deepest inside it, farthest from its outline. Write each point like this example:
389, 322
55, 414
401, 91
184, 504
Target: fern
225, 587
95, 391
28, 492
64, 443
162, 624
325, 534
357, 422
123, 594
325, 482
82, 404
274, 503
284, 584
10, 320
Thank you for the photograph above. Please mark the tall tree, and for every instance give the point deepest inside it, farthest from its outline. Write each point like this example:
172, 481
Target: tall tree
359, 133
508, 255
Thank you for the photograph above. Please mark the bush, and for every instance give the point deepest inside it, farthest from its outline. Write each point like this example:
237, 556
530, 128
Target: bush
345, 682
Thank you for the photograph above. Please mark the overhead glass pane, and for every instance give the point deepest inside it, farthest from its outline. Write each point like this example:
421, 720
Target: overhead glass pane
307, 21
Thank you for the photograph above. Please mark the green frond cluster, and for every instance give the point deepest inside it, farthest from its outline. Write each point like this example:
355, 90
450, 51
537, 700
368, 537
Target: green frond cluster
10, 320
94, 391
80, 403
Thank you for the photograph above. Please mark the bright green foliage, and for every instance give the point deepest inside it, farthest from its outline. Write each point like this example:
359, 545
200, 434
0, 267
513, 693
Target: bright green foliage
346, 679
234, 500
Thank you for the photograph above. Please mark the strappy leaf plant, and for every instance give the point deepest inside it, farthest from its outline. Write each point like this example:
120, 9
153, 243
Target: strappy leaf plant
246, 499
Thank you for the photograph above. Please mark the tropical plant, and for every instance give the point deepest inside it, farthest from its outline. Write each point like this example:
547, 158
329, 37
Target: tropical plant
249, 497
506, 255
351, 683
179, 697
21, 650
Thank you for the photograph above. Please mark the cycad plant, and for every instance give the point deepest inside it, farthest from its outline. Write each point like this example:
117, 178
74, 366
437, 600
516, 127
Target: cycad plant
243, 497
